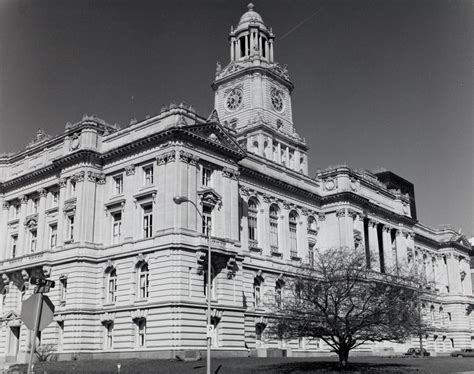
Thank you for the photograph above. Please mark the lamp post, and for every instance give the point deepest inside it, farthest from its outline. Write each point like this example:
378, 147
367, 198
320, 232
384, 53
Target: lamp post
213, 199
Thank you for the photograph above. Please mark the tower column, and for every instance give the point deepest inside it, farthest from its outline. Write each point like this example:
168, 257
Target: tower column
232, 49
270, 42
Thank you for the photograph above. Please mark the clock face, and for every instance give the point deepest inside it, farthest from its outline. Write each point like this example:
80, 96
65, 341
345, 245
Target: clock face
234, 99
277, 100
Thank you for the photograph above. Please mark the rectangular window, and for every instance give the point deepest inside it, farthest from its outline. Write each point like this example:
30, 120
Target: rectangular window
70, 228
206, 176
148, 221
14, 244
118, 185
141, 331
116, 228
206, 219
62, 290
148, 175
53, 235
109, 330
274, 232
293, 239
33, 240
17, 210
35, 205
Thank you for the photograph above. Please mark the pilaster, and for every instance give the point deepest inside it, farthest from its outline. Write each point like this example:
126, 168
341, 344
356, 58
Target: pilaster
22, 237
61, 219
373, 242
42, 229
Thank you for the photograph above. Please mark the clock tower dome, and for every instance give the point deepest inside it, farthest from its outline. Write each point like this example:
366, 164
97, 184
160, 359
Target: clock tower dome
253, 95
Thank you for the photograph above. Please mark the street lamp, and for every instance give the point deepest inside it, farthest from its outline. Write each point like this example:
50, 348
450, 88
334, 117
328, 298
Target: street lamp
211, 198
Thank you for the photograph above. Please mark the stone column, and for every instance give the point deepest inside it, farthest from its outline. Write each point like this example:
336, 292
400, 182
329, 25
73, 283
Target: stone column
261, 140
373, 242
4, 235
296, 163
232, 49
389, 260
270, 42
22, 248
264, 233
61, 221
454, 278
43, 232
400, 248
81, 207
467, 276
237, 52
279, 153
244, 194
283, 231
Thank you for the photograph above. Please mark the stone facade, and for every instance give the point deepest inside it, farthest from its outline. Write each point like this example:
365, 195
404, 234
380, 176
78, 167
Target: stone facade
92, 209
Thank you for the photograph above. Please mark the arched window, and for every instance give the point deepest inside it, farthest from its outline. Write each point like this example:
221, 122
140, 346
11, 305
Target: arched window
143, 281
293, 234
252, 222
112, 286
274, 228
257, 291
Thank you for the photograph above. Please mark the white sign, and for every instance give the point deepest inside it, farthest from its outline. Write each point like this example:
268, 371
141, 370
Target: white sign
210, 331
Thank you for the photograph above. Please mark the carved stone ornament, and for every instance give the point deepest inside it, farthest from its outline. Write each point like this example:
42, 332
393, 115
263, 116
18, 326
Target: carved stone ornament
107, 317
322, 216
130, 170
46, 269
354, 183
69, 207
213, 117
386, 228
23, 199
75, 142
164, 158
244, 191
405, 208
25, 275
210, 198
330, 184
230, 173
42, 192
31, 222
268, 198
281, 70
139, 314
181, 122
188, 157
341, 213
352, 213
100, 178
79, 177
5, 279
6, 205
41, 136
62, 182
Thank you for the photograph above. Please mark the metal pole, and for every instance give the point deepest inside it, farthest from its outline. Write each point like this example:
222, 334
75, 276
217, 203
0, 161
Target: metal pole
35, 333
209, 279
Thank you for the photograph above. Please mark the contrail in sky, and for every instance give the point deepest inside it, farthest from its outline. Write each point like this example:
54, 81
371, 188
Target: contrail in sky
302, 22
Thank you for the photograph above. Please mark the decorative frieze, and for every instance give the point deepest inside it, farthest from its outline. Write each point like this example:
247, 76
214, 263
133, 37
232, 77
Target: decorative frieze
42, 192
244, 191
79, 177
341, 213
98, 178
330, 184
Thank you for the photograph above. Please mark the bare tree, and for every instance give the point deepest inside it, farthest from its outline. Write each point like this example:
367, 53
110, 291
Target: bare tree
345, 304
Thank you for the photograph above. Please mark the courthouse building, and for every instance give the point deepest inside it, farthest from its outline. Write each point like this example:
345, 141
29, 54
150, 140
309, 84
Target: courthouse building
92, 209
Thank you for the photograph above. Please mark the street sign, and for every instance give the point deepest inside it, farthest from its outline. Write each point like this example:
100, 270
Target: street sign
29, 310
42, 282
210, 331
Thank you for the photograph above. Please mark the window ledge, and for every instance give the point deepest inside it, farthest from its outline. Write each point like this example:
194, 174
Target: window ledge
255, 249
52, 210
276, 253
295, 258
69, 241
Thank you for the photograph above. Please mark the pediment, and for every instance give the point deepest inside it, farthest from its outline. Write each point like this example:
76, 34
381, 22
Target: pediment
214, 134
9, 316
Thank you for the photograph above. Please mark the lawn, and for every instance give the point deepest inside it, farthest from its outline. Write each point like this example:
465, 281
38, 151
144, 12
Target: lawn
432, 365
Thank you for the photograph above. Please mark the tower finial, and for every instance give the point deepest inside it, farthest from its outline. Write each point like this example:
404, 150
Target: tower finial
250, 6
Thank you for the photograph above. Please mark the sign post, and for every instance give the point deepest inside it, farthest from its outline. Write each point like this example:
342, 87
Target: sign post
37, 312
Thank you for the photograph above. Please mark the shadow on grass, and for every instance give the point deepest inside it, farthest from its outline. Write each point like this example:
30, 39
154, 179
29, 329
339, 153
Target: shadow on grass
332, 367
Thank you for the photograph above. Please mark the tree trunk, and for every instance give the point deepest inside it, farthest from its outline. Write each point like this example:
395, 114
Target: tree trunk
343, 353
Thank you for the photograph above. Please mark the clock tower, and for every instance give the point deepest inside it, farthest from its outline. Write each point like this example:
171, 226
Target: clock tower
253, 96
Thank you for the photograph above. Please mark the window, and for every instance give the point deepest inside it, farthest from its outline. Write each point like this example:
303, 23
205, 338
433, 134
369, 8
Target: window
257, 291
143, 281
206, 174
311, 254
148, 221
53, 235
70, 228
118, 184
17, 210
274, 228
293, 234
278, 292
60, 334
112, 286
252, 221
109, 330
116, 228
14, 244
35, 205
62, 290
33, 240
148, 175
206, 219
141, 332
449, 316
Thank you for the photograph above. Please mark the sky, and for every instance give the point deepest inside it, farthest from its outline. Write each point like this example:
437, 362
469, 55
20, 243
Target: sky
378, 84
